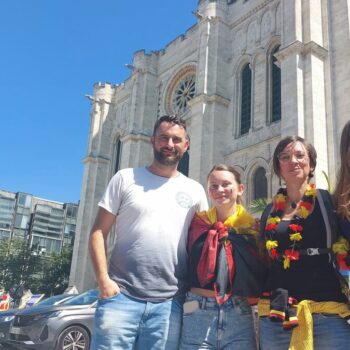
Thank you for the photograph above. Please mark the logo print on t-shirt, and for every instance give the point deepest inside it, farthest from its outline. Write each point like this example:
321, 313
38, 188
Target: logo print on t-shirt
184, 200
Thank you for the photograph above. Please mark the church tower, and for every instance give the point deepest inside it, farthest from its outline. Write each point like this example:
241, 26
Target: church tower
248, 73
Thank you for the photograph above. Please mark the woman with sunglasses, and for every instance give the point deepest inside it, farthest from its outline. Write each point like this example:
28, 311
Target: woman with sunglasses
303, 306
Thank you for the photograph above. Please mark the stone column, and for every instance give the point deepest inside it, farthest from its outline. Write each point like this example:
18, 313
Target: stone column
290, 59
303, 58
95, 179
315, 55
339, 80
209, 109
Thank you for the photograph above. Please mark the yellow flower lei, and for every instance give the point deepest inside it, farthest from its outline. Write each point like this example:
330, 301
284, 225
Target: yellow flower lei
305, 208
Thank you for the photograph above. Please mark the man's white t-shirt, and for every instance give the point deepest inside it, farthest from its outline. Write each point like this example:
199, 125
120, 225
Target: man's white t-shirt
149, 259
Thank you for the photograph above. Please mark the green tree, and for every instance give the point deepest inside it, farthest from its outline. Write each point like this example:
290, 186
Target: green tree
19, 264
56, 272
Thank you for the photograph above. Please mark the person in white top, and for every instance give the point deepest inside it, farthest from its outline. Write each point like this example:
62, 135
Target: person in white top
142, 288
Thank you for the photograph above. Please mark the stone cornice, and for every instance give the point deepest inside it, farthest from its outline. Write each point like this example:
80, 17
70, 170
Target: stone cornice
95, 159
135, 137
143, 71
213, 20
298, 48
204, 98
295, 48
315, 49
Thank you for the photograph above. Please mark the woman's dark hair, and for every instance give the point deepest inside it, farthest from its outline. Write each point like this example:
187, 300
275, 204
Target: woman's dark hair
310, 149
342, 190
224, 167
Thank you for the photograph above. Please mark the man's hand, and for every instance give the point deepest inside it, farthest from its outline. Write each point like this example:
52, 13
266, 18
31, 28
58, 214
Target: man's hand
108, 288
98, 250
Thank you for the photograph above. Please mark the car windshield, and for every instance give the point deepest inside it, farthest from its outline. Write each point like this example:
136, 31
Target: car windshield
54, 299
86, 298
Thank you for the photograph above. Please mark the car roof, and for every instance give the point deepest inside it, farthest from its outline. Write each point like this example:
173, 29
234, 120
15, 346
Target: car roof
80, 301
85, 298
56, 299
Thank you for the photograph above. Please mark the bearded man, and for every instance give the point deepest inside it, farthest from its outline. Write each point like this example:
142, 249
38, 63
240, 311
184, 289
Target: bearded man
142, 290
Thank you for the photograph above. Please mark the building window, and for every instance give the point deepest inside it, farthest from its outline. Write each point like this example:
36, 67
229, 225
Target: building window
260, 184
24, 200
58, 213
69, 229
71, 210
118, 149
21, 221
275, 88
246, 99
7, 212
43, 245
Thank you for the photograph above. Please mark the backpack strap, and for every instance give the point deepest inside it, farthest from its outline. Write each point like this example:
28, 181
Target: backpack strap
328, 213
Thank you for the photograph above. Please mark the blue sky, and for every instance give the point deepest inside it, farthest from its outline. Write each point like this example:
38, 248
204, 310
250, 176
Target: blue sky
53, 51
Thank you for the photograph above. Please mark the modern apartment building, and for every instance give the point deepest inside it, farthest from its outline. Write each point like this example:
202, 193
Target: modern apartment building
48, 225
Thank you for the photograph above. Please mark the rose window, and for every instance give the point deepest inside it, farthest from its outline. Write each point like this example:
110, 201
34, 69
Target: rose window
183, 93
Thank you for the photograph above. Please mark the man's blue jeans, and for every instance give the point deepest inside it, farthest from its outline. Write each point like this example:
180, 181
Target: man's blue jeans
330, 332
211, 326
122, 322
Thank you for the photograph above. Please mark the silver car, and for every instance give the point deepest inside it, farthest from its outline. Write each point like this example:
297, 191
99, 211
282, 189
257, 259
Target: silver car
66, 326
6, 317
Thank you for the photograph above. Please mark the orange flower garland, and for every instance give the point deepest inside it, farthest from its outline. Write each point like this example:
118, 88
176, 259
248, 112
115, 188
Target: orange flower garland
305, 208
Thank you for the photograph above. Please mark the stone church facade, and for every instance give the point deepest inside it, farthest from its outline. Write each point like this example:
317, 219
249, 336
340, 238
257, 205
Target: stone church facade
246, 74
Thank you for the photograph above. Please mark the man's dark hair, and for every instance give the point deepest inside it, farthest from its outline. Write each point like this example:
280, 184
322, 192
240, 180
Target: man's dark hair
173, 119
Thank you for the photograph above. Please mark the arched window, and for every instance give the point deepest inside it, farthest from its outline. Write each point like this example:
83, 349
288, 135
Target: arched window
246, 99
275, 88
183, 166
118, 150
260, 184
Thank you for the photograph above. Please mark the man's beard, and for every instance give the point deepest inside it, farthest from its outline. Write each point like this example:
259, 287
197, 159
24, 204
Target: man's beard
165, 159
